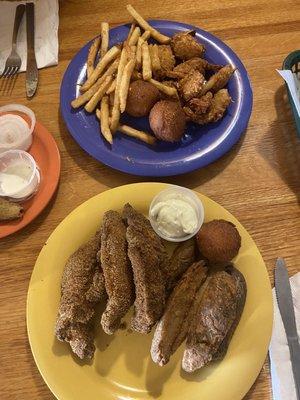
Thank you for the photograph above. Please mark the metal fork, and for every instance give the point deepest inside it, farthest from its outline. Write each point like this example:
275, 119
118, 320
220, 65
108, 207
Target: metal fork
13, 62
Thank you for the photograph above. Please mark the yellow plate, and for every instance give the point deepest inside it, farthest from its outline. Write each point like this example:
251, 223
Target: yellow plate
122, 367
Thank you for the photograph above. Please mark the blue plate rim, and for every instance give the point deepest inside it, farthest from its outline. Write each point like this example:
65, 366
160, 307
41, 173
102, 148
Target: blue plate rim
181, 167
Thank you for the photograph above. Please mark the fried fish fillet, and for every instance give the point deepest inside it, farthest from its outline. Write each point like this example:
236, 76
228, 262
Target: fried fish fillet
173, 326
183, 257
191, 85
149, 262
166, 59
117, 271
82, 287
214, 322
9, 210
185, 46
196, 63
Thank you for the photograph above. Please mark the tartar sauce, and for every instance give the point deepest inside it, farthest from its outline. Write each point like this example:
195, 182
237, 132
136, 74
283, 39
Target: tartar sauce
175, 216
14, 178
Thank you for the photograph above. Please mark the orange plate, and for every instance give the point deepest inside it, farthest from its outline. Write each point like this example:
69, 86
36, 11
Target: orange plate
46, 154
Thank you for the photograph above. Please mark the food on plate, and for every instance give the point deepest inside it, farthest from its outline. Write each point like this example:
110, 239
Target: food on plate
92, 56
134, 37
149, 260
82, 287
110, 56
146, 62
185, 46
141, 98
104, 38
167, 120
93, 102
166, 60
191, 85
125, 82
172, 328
216, 107
143, 136
103, 115
117, 271
218, 80
9, 210
215, 320
144, 24
182, 258
175, 66
219, 241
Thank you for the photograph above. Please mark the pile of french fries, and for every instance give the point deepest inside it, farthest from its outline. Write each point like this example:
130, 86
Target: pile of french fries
106, 89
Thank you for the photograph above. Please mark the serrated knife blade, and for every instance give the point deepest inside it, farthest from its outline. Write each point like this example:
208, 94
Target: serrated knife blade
286, 308
32, 70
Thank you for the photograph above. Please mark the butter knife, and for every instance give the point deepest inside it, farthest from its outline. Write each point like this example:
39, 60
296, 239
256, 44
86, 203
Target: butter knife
31, 71
286, 308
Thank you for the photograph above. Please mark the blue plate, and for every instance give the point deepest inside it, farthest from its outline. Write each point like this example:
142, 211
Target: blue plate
200, 146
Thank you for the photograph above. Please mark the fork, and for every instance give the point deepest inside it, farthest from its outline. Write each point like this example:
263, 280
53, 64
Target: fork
13, 62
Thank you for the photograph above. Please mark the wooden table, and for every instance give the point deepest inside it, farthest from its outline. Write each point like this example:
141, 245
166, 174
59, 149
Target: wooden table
258, 181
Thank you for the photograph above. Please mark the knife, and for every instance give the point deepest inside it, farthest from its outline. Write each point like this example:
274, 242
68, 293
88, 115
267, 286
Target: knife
286, 308
31, 71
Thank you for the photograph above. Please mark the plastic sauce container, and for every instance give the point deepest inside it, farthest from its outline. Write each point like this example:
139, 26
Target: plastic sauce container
19, 175
176, 214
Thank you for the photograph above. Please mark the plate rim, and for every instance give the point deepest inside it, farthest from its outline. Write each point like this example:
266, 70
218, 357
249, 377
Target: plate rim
181, 167
40, 131
52, 386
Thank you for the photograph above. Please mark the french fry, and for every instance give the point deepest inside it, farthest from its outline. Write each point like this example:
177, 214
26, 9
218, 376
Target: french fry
112, 87
86, 96
124, 85
155, 61
111, 100
136, 75
92, 55
139, 54
130, 31
115, 115
168, 90
143, 24
104, 38
104, 119
145, 36
146, 62
111, 55
144, 136
135, 36
92, 103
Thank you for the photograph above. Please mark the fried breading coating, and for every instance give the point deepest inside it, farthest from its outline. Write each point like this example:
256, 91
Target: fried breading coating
167, 60
149, 262
185, 46
183, 256
218, 80
200, 105
173, 326
117, 271
82, 287
199, 64
216, 110
9, 210
191, 85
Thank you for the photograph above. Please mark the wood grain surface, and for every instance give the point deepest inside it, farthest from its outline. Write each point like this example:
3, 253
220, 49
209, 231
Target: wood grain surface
258, 181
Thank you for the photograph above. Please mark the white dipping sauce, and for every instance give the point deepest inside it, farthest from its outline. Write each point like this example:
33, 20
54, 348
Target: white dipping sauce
15, 178
175, 216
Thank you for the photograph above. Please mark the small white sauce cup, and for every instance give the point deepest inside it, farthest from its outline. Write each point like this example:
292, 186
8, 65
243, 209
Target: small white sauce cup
191, 197
13, 157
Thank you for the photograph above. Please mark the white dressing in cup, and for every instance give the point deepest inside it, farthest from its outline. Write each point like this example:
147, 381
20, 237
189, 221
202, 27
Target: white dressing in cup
176, 214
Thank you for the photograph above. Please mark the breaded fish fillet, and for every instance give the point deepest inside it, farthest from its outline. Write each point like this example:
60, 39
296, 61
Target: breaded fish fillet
117, 271
82, 287
149, 261
173, 326
10, 210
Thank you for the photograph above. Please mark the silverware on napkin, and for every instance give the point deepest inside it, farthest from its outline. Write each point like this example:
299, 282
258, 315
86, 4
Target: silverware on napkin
31, 71
286, 308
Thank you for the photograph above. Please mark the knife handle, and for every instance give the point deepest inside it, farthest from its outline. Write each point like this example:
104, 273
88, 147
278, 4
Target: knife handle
30, 26
18, 18
295, 361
